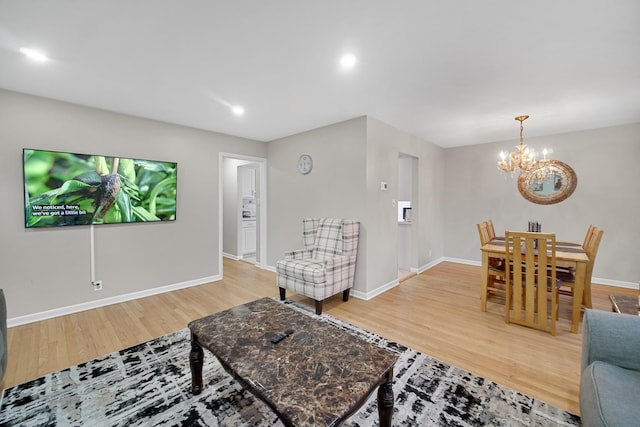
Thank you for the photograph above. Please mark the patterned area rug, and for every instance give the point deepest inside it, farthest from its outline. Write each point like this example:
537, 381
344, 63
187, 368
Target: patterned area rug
149, 385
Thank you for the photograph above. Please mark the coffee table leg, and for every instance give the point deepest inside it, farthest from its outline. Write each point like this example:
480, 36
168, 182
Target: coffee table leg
196, 359
385, 400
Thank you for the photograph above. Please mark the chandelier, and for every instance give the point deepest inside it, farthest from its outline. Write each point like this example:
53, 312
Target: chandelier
523, 159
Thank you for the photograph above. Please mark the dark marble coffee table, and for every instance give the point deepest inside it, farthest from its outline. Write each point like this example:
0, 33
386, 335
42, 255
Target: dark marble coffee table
624, 304
318, 375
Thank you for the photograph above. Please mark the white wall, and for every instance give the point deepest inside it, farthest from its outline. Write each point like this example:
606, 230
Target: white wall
608, 196
47, 269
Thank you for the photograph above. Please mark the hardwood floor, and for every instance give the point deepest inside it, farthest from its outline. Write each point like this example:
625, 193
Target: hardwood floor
436, 312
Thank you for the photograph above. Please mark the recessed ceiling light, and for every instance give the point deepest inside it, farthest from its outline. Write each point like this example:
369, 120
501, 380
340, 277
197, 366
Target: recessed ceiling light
237, 110
348, 61
34, 54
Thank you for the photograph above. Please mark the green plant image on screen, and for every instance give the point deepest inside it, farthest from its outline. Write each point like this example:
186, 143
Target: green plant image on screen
80, 189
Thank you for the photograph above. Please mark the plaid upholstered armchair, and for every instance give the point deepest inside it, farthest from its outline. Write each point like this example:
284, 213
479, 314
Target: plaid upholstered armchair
326, 265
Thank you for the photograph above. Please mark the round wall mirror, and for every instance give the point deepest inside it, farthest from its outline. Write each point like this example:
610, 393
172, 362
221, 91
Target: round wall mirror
548, 182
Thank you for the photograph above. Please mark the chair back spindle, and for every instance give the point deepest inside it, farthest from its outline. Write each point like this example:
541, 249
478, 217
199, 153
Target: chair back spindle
531, 280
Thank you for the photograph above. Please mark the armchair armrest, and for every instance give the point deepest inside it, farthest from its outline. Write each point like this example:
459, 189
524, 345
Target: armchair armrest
338, 268
298, 254
611, 337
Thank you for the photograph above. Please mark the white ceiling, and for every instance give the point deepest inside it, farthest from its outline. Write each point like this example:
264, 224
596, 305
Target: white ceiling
451, 72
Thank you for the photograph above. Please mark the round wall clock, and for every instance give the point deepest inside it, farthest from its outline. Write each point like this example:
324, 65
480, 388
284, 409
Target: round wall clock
305, 164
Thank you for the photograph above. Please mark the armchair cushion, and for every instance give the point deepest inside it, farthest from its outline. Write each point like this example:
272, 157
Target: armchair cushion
307, 270
331, 271
328, 239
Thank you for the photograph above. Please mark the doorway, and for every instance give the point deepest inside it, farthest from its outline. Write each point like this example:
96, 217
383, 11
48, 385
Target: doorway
242, 208
407, 216
247, 212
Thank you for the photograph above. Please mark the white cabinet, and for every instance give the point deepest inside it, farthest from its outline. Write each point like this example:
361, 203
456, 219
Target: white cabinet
247, 181
248, 237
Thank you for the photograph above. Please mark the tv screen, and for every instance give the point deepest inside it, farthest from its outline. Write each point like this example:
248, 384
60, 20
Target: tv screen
80, 189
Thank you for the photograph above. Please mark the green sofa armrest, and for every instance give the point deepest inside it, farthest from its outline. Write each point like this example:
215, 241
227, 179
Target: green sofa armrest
612, 338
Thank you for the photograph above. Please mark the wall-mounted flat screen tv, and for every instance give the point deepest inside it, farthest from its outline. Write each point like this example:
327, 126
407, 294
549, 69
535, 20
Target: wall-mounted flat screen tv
79, 189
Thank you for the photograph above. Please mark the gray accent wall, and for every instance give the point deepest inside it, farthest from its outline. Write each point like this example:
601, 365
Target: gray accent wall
47, 269
351, 159
334, 188
608, 196
385, 143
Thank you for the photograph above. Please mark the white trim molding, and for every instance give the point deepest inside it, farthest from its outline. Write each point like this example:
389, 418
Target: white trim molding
374, 293
428, 266
22, 320
62, 311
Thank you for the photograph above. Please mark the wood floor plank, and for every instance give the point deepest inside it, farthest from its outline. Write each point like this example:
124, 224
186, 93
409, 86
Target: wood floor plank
436, 312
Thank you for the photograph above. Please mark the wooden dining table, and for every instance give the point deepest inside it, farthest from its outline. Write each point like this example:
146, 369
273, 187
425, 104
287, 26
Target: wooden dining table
568, 254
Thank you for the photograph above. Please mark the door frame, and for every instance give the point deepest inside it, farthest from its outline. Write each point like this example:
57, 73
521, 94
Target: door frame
412, 250
261, 211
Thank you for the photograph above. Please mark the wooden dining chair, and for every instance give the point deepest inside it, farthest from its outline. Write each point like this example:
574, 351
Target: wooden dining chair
528, 287
590, 246
567, 273
589, 235
483, 232
490, 230
496, 279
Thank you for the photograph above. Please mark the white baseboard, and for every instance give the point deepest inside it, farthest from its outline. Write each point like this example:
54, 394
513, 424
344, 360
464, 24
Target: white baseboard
374, 293
462, 261
21, 320
392, 284
430, 265
62, 311
618, 283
